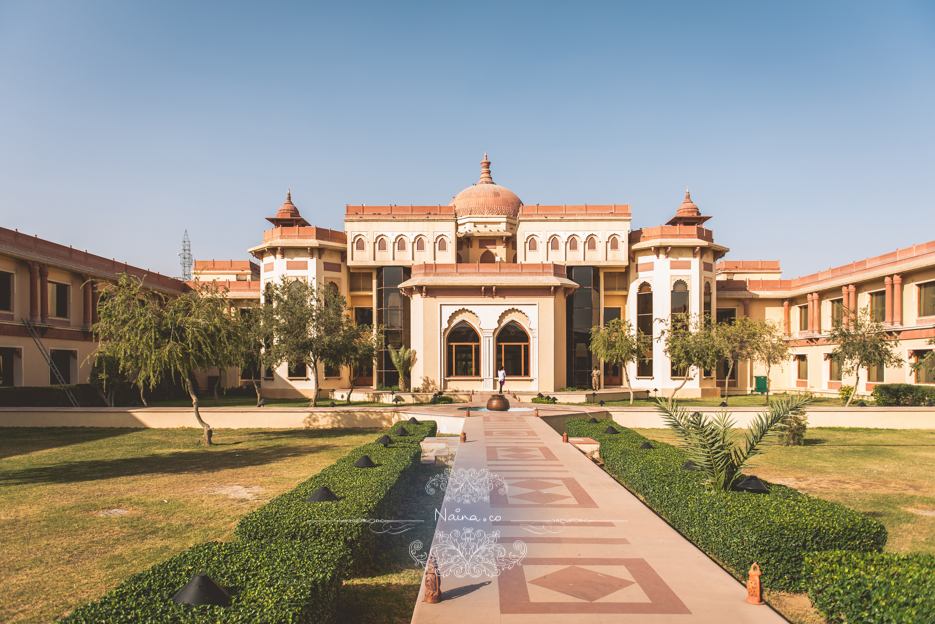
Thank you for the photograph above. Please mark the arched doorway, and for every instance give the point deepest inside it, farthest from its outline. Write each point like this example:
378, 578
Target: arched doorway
462, 347
487, 257
513, 350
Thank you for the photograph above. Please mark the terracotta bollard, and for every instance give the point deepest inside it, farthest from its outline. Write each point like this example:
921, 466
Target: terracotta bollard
565, 438
467, 413
754, 590
433, 583
463, 437
536, 413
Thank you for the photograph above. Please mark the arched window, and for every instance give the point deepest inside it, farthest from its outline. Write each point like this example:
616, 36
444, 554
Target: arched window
572, 244
442, 244
513, 350
381, 244
533, 245
680, 298
554, 244
401, 244
420, 244
592, 244
487, 257
614, 243
463, 349
359, 245
644, 323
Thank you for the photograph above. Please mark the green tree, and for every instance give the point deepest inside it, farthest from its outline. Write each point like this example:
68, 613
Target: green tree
255, 344
365, 346
928, 362
771, 348
711, 443
737, 342
619, 345
690, 342
157, 338
310, 325
403, 359
107, 379
860, 341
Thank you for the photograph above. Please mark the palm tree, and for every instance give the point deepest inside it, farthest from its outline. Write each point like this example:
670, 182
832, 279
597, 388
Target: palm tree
403, 359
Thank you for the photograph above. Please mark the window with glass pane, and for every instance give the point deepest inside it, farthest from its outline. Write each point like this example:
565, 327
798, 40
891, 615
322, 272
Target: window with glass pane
707, 302
644, 323
62, 361
513, 350
925, 374
680, 298
615, 281
803, 318
875, 374
6, 291
927, 299
837, 311
332, 371
6, 365
835, 370
611, 314
802, 368
878, 306
58, 300
298, 370
362, 282
393, 314
463, 344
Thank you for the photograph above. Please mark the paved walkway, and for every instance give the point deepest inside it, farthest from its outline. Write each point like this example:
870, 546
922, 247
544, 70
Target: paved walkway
594, 552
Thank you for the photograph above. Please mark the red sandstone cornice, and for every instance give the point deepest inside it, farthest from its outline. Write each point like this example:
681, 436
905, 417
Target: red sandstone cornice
227, 265
727, 266
422, 212
898, 260
494, 268
237, 289
305, 233
617, 210
46, 252
671, 232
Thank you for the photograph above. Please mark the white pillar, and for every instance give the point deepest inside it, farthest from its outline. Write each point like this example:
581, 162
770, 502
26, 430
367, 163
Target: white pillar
487, 360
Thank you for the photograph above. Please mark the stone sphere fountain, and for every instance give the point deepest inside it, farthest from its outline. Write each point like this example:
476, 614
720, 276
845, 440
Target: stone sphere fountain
498, 403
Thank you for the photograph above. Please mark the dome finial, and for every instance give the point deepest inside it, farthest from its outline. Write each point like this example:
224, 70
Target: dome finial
485, 177
289, 195
688, 196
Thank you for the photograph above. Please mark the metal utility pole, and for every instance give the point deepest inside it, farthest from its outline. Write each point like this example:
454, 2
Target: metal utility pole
185, 258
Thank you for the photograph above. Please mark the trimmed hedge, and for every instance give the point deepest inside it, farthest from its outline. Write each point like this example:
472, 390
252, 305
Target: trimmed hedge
872, 588
268, 582
49, 396
285, 566
888, 395
735, 528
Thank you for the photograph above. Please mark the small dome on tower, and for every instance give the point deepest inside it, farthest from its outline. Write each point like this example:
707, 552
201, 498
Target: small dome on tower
288, 215
688, 213
486, 197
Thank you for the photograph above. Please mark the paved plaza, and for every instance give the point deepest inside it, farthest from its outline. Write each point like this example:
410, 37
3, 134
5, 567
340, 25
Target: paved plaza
593, 551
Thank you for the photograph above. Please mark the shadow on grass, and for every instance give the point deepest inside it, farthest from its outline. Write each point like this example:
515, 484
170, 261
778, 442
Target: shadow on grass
193, 461
23, 440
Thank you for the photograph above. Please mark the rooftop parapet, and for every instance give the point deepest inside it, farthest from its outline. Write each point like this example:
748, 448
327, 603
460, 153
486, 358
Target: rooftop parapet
670, 232
499, 268
620, 210
305, 233
437, 211
227, 265
748, 265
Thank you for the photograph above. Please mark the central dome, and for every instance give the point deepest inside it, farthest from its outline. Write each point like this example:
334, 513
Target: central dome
486, 198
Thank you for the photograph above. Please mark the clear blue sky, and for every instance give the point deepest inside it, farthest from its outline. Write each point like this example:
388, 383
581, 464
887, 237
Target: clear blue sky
807, 129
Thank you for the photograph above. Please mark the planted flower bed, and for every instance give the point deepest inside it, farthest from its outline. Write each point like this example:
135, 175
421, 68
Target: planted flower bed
776, 530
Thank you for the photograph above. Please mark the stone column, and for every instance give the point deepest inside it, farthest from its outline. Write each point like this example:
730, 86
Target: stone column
888, 320
746, 307
87, 287
95, 297
488, 359
44, 294
846, 302
785, 317
816, 313
897, 300
852, 297
33, 292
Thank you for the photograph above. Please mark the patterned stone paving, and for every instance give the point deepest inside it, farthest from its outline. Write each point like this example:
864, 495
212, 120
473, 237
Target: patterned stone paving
591, 552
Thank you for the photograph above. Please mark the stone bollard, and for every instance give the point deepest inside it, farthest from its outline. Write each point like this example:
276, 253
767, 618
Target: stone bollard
463, 437
754, 590
565, 437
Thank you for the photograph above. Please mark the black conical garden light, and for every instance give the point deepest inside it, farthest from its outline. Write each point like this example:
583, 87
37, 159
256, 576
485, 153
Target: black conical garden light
646, 446
202, 590
610, 431
322, 495
412, 421
401, 432
593, 421
385, 441
364, 462
752, 485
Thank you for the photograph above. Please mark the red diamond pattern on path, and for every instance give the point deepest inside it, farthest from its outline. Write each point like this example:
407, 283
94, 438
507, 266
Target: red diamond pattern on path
540, 497
581, 583
535, 484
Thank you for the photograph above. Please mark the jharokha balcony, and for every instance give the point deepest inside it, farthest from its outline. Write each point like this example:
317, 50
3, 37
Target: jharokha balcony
433, 278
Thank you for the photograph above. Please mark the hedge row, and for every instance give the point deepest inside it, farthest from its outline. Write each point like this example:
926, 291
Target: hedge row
286, 565
49, 396
736, 528
888, 395
872, 587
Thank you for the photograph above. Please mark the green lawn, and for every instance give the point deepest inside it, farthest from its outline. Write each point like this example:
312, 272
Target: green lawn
224, 401
59, 552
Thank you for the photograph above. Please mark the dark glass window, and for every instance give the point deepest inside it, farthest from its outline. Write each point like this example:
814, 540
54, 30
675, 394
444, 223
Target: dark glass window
644, 323
727, 315
679, 298
332, 371
925, 374
362, 282
926, 299
393, 314
837, 312
582, 313
6, 366
707, 301
62, 361
835, 370
875, 374
615, 281
802, 367
513, 350
297, 370
463, 351
6, 291
611, 314
803, 318
878, 306
58, 300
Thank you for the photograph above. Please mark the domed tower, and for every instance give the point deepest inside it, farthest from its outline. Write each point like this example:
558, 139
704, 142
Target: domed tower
486, 213
288, 215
